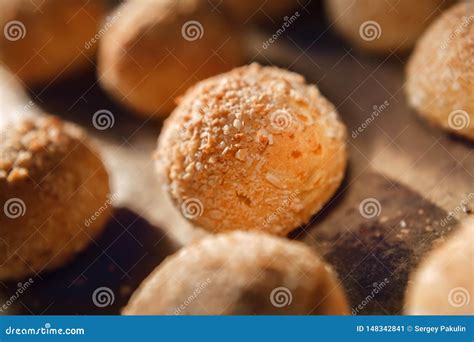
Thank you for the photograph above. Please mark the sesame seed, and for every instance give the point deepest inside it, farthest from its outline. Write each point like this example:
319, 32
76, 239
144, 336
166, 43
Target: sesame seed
237, 124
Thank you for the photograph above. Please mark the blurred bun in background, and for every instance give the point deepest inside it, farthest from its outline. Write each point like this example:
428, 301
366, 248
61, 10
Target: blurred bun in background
443, 284
382, 26
440, 73
157, 49
44, 40
241, 274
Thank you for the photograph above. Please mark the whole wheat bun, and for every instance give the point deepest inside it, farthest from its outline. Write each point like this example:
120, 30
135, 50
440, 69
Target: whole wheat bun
444, 284
382, 26
45, 40
240, 273
440, 73
253, 149
157, 49
53, 195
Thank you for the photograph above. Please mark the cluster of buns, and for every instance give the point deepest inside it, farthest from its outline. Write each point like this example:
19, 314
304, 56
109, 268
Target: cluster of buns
440, 72
233, 134
249, 153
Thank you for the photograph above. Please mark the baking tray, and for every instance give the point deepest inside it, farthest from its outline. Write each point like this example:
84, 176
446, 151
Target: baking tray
412, 174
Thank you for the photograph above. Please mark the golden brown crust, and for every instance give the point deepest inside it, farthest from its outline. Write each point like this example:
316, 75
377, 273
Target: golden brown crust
240, 273
55, 34
51, 185
444, 284
157, 49
253, 149
383, 26
440, 73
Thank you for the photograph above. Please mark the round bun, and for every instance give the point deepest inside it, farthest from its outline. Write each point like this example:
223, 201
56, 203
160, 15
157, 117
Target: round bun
440, 73
240, 273
244, 11
46, 39
157, 49
443, 284
382, 26
253, 149
53, 195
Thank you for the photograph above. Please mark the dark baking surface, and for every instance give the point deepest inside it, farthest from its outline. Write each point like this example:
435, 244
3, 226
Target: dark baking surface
364, 252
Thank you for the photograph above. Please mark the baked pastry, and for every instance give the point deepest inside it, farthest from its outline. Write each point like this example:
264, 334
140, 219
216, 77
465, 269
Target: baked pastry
254, 149
383, 26
53, 195
440, 73
245, 11
240, 273
46, 39
157, 49
443, 284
